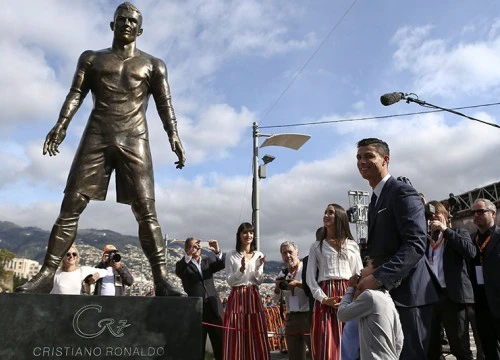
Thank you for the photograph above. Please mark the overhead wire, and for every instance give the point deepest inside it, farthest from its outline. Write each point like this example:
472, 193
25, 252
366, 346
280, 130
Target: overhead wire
297, 74
374, 117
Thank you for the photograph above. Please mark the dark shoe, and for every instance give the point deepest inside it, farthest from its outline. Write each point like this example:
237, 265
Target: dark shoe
40, 283
164, 288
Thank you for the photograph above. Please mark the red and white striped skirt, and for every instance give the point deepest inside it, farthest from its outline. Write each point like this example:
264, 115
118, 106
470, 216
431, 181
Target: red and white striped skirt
245, 333
326, 330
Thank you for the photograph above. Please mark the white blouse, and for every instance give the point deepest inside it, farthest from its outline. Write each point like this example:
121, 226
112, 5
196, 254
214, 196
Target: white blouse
330, 264
70, 282
253, 269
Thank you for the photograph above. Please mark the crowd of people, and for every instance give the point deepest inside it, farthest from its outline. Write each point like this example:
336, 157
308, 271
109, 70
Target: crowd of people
108, 278
420, 278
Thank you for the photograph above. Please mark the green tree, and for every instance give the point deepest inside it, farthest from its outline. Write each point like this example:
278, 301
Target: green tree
5, 256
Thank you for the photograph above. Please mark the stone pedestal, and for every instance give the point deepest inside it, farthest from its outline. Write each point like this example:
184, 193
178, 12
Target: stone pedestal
43, 326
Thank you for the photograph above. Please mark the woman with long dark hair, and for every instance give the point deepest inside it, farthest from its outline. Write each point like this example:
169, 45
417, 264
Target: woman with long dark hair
332, 261
245, 333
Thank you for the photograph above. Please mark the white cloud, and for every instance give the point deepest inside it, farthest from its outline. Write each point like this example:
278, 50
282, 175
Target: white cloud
440, 67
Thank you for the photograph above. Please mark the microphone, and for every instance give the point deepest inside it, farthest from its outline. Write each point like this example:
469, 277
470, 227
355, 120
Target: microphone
391, 98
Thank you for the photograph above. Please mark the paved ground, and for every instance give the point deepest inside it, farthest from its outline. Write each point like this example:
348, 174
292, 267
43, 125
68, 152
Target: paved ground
276, 355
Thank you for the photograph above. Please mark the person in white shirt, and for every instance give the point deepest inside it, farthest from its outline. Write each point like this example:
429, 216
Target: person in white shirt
245, 332
332, 262
289, 286
380, 333
72, 279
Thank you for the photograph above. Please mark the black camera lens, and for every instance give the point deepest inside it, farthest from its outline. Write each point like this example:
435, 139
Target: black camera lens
283, 285
114, 256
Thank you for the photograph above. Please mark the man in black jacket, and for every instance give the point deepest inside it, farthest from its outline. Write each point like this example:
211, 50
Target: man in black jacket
197, 280
449, 250
485, 268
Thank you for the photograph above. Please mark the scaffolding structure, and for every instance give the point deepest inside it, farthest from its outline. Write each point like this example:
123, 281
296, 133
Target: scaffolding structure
460, 205
358, 212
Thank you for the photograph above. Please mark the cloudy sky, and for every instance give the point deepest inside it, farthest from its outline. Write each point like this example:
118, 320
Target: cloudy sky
277, 63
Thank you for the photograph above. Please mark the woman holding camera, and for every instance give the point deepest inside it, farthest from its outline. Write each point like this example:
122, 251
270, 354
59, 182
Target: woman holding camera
72, 279
332, 261
245, 333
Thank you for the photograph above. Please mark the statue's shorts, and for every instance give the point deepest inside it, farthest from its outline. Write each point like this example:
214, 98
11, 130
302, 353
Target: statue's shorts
96, 158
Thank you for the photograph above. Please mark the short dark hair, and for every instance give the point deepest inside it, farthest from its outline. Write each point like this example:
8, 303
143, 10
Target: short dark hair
380, 145
130, 7
188, 240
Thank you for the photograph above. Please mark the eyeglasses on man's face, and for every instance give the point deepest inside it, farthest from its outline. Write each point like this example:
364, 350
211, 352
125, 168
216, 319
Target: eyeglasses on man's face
71, 254
480, 211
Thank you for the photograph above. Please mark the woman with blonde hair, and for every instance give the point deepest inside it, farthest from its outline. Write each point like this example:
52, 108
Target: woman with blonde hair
72, 279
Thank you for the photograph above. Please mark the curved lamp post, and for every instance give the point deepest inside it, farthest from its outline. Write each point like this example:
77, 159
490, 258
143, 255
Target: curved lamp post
291, 141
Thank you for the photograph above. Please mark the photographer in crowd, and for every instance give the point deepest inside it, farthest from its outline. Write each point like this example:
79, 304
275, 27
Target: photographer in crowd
449, 250
117, 277
289, 285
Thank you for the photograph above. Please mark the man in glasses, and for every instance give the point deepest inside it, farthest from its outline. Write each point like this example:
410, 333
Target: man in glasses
484, 272
117, 277
121, 79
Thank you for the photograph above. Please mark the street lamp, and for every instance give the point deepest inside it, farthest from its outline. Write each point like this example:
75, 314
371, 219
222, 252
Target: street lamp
291, 141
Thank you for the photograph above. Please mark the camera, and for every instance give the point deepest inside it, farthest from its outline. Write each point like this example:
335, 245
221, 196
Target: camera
114, 256
283, 282
430, 210
87, 279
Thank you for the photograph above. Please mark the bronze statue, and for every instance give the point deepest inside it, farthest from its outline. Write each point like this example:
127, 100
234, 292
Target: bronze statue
121, 79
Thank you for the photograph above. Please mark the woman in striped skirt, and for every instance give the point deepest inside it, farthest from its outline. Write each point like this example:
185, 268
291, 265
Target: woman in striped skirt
332, 261
245, 333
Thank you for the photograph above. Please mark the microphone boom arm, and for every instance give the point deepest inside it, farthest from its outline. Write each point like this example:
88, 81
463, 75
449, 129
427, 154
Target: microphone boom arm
426, 104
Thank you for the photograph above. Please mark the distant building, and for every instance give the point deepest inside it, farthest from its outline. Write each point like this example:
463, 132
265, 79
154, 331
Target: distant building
24, 268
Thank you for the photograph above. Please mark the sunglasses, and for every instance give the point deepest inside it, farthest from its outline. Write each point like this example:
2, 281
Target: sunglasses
480, 211
74, 254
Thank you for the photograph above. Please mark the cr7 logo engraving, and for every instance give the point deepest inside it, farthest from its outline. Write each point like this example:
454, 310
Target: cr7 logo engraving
107, 323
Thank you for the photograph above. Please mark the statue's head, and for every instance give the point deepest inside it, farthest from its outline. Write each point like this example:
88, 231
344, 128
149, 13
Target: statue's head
127, 12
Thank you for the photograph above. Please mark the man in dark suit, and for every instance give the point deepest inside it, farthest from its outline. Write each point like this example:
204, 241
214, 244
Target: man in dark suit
397, 227
448, 251
197, 279
484, 271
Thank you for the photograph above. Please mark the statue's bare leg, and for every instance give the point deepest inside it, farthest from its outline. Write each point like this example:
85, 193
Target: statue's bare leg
152, 243
61, 238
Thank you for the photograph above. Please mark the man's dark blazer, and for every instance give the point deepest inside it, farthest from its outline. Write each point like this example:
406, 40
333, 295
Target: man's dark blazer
398, 228
201, 286
458, 250
491, 270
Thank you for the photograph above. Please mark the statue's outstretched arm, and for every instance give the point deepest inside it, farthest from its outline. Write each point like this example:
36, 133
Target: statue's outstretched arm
74, 99
163, 99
